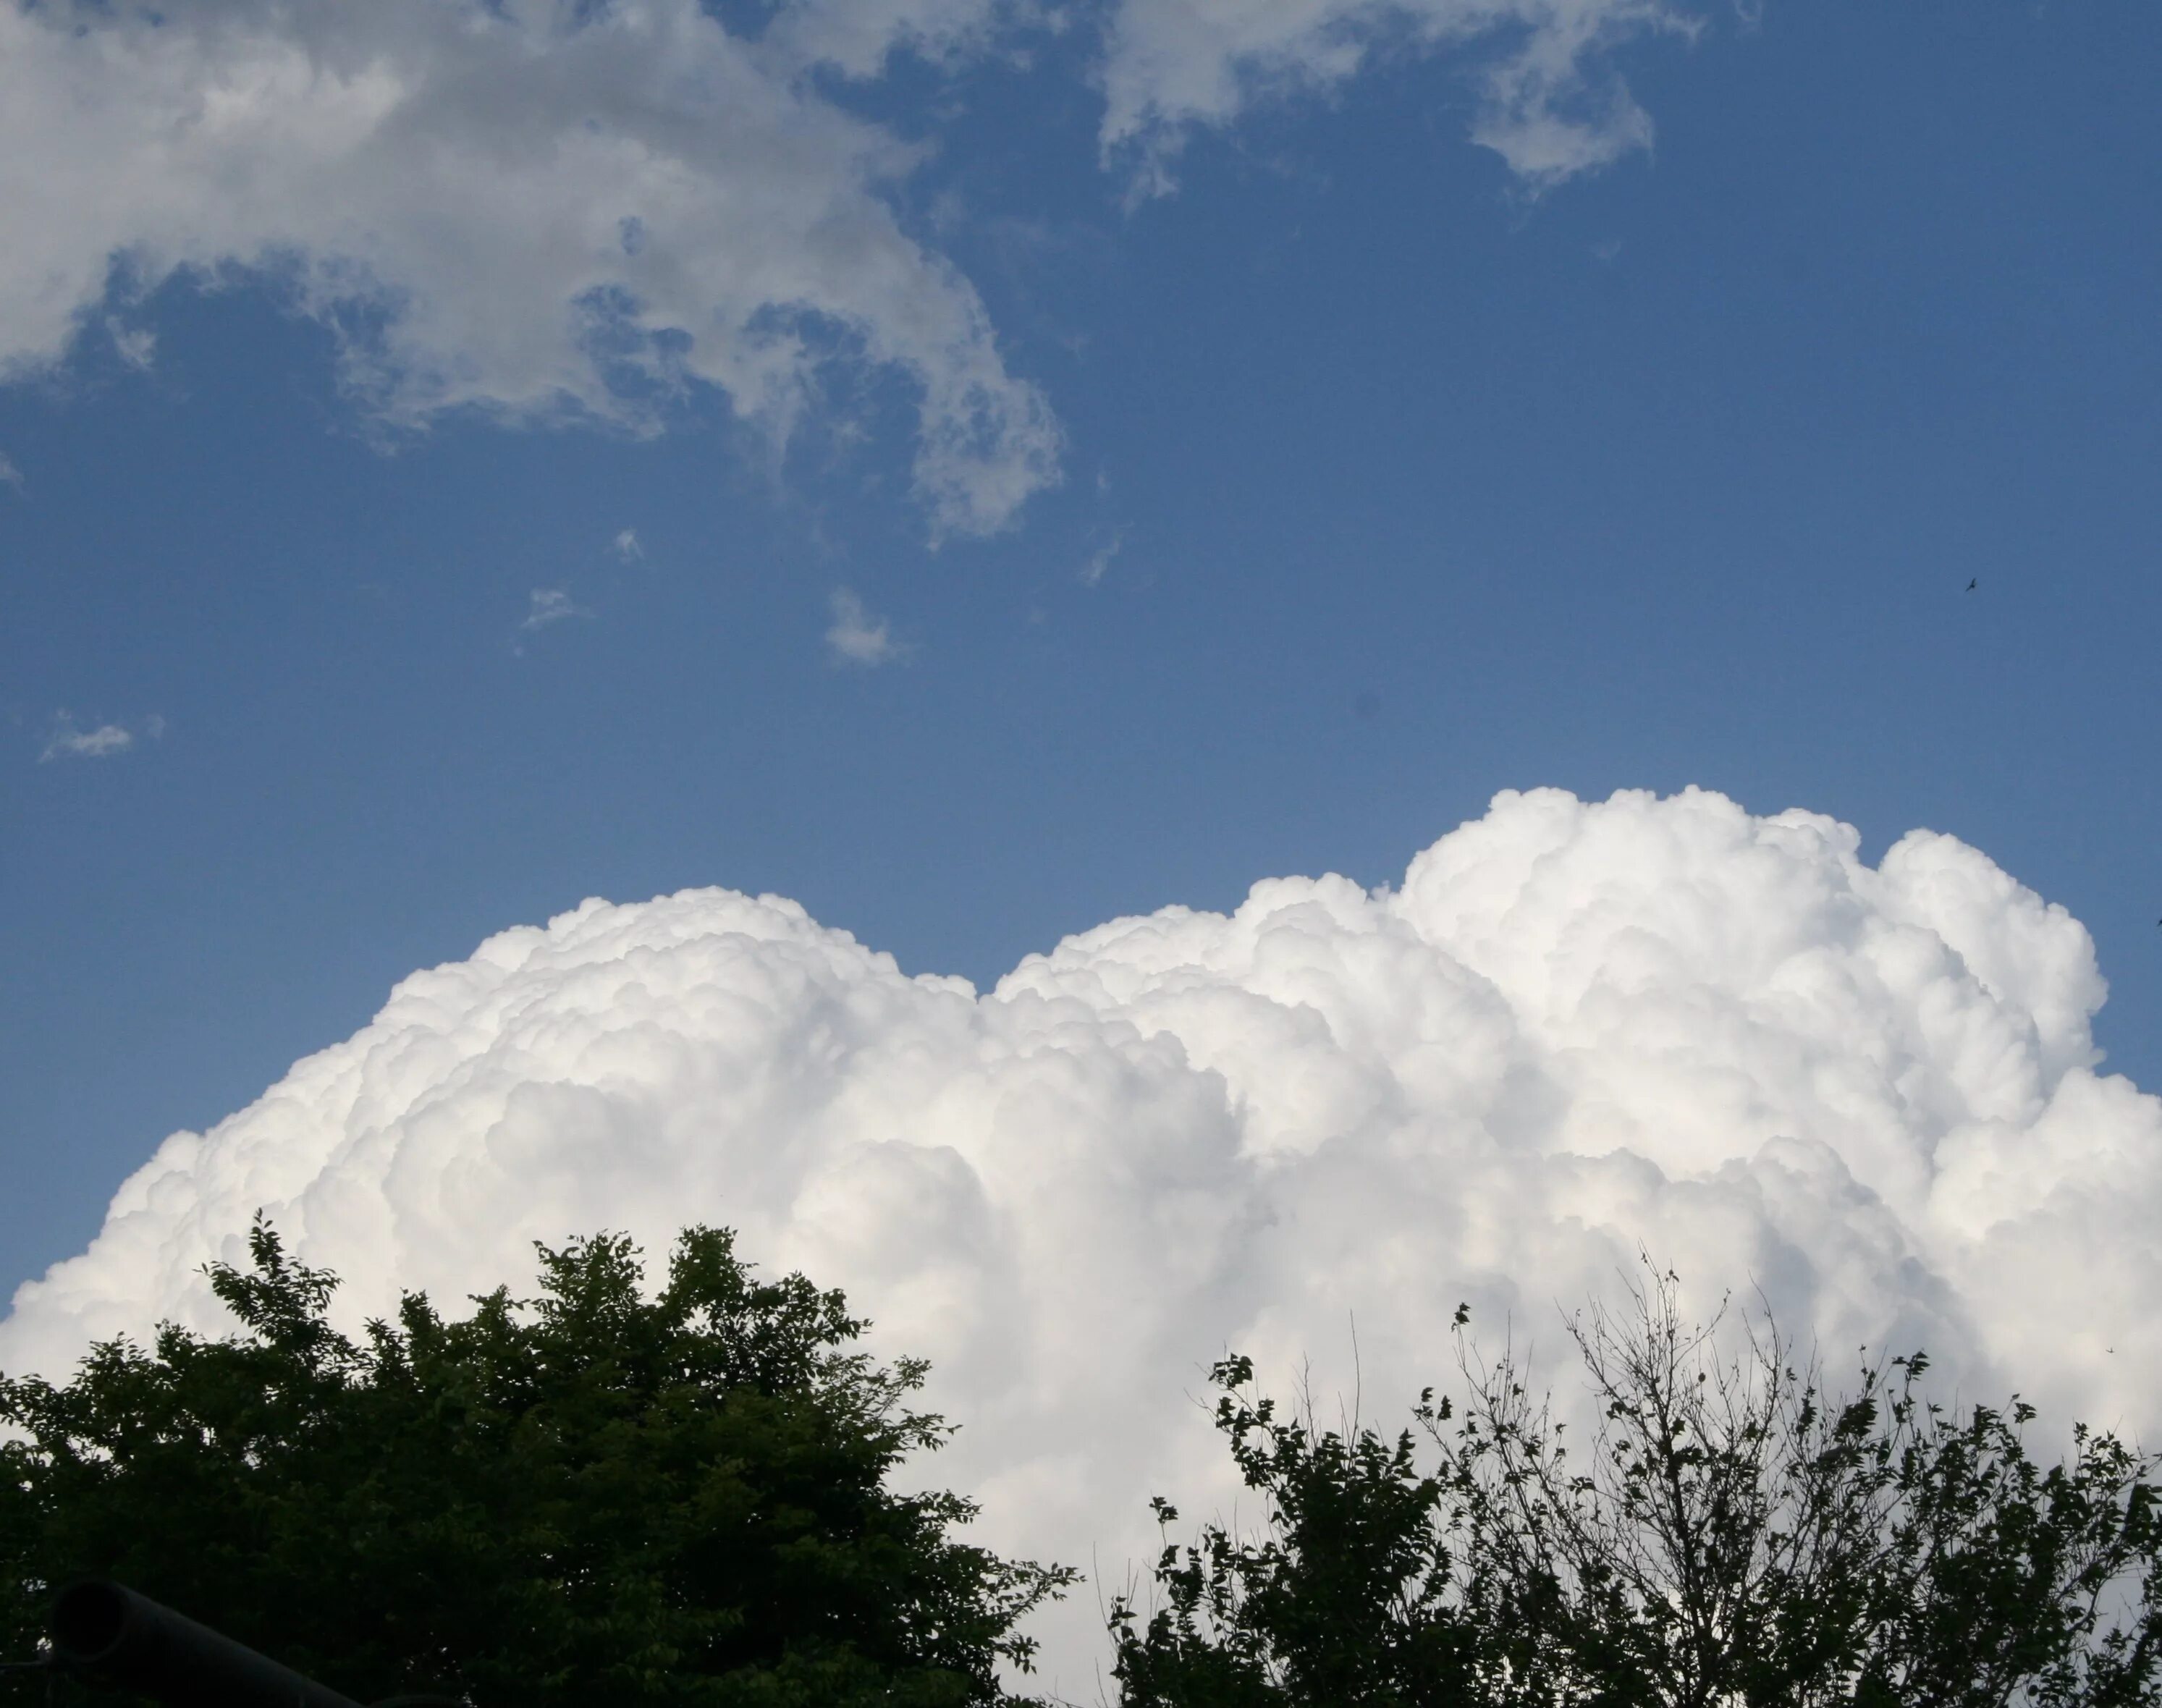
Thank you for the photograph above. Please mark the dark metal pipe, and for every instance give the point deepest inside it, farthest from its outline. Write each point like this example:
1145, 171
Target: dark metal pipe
114, 1636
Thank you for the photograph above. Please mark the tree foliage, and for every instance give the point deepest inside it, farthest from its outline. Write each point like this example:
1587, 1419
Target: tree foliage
1348, 1597
1731, 1536
589, 1498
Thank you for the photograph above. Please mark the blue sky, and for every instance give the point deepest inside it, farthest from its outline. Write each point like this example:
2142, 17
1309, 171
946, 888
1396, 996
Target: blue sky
1389, 477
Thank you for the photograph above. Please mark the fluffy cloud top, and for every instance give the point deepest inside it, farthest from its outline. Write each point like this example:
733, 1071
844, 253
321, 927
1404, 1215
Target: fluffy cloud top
535, 207
1572, 1028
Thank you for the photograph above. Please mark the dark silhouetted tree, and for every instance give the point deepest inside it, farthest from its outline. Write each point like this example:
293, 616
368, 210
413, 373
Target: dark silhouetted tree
1731, 1536
591, 1498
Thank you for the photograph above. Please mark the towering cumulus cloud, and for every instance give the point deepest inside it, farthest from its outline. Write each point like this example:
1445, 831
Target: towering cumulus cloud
531, 206
1575, 1027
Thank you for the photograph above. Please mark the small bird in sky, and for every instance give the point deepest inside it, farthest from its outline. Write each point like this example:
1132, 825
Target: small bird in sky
1972, 585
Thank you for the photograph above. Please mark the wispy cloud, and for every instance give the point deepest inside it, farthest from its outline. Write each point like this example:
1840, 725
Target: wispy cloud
627, 546
856, 636
136, 346
1549, 99
69, 740
550, 605
9, 474
1099, 560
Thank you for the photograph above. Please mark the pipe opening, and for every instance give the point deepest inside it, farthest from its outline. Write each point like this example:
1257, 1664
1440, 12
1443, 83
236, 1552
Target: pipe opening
88, 1622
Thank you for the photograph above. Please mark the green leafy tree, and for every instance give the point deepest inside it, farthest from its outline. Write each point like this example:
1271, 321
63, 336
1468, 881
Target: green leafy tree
1348, 1597
1733, 1536
590, 1498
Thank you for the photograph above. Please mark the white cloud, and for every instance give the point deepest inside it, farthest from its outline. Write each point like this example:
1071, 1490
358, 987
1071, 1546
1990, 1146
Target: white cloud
627, 546
1099, 561
135, 346
9, 474
1549, 102
548, 605
1574, 1027
856, 636
68, 740
859, 37
533, 208
550, 211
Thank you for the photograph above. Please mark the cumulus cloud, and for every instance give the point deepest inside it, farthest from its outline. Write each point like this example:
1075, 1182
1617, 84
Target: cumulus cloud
530, 207
627, 546
1550, 102
855, 636
1573, 1027
69, 740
